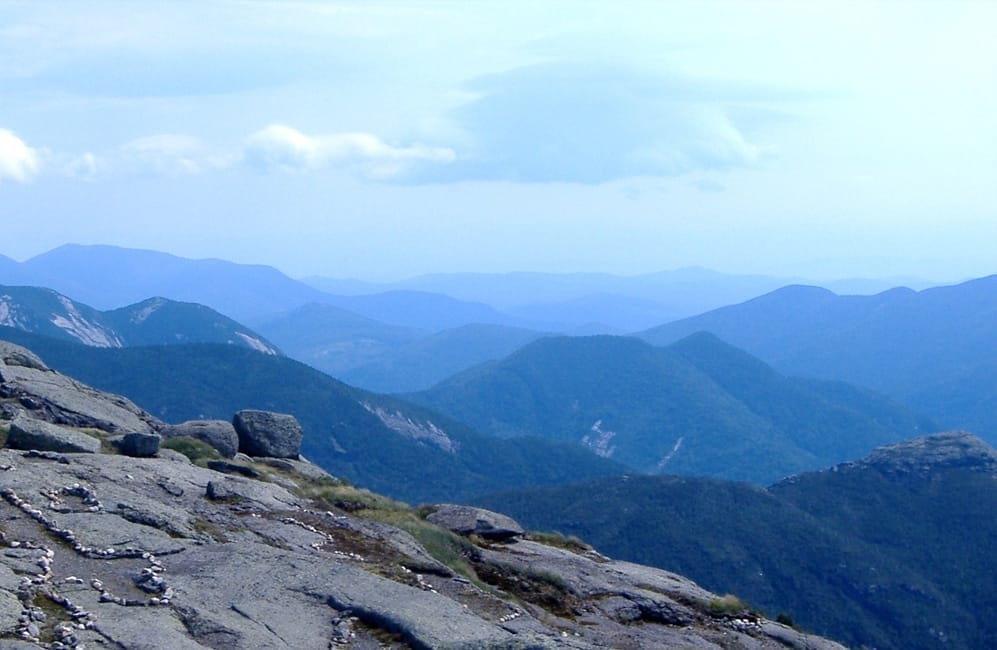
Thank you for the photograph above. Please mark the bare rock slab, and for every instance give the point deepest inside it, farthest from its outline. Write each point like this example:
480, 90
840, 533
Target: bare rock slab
28, 433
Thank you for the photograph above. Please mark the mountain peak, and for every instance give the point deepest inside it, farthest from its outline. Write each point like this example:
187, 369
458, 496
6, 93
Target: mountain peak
924, 454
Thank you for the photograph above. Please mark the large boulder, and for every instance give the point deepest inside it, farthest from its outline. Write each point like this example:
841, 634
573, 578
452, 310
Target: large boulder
220, 434
467, 520
28, 433
139, 445
265, 433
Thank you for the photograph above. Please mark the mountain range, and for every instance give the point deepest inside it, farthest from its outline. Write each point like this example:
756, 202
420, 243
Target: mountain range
893, 551
568, 301
698, 407
261, 297
883, 552
933, 349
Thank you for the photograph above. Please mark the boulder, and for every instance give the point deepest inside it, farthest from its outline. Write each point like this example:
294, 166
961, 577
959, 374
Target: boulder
467, 520
28, 433
218, 433
139, 445
264, 433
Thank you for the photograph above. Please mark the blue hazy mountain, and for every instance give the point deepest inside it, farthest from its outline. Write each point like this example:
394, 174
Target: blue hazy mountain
109, 277
423, 362
420, 309
934, 349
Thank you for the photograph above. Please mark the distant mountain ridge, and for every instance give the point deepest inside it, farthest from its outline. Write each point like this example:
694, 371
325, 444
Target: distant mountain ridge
935, 349
109, 277
431, 308
699, 407
421, 309
597, 302
155, 321
423, 362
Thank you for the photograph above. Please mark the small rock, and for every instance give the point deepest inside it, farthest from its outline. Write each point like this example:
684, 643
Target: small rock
217, 491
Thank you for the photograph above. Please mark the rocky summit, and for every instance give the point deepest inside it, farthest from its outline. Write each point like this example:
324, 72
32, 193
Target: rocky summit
106, 550
950, 449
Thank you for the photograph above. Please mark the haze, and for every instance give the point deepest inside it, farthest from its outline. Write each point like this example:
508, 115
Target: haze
384, 140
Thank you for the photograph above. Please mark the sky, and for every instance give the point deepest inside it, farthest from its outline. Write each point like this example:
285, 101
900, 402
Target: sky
382, 140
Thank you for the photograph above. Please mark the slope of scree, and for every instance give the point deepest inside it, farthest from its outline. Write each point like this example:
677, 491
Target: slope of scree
107, 549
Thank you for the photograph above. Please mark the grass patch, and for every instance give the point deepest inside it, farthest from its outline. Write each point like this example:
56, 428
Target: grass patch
343, 496
728, 605
558, 540
543, 588
209, 529
446, 547
198, 451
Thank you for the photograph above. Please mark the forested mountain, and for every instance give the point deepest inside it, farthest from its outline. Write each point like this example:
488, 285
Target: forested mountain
155, 321
890, 552
378, 442
700, 407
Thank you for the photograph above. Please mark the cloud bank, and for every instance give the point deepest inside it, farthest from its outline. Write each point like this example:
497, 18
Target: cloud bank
18, 161
594, 123
282, 147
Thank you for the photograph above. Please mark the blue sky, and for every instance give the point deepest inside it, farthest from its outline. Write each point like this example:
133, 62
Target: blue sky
386, 139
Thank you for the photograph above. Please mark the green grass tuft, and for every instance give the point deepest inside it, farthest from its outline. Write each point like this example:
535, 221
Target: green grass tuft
198, 451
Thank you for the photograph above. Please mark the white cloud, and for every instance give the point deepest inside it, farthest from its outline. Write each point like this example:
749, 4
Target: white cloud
282, 147
85, 167
18, 161
593, 123
167, 154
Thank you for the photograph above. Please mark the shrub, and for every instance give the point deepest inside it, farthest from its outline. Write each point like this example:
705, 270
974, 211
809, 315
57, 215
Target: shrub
728, 604
558, 540
196, 450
